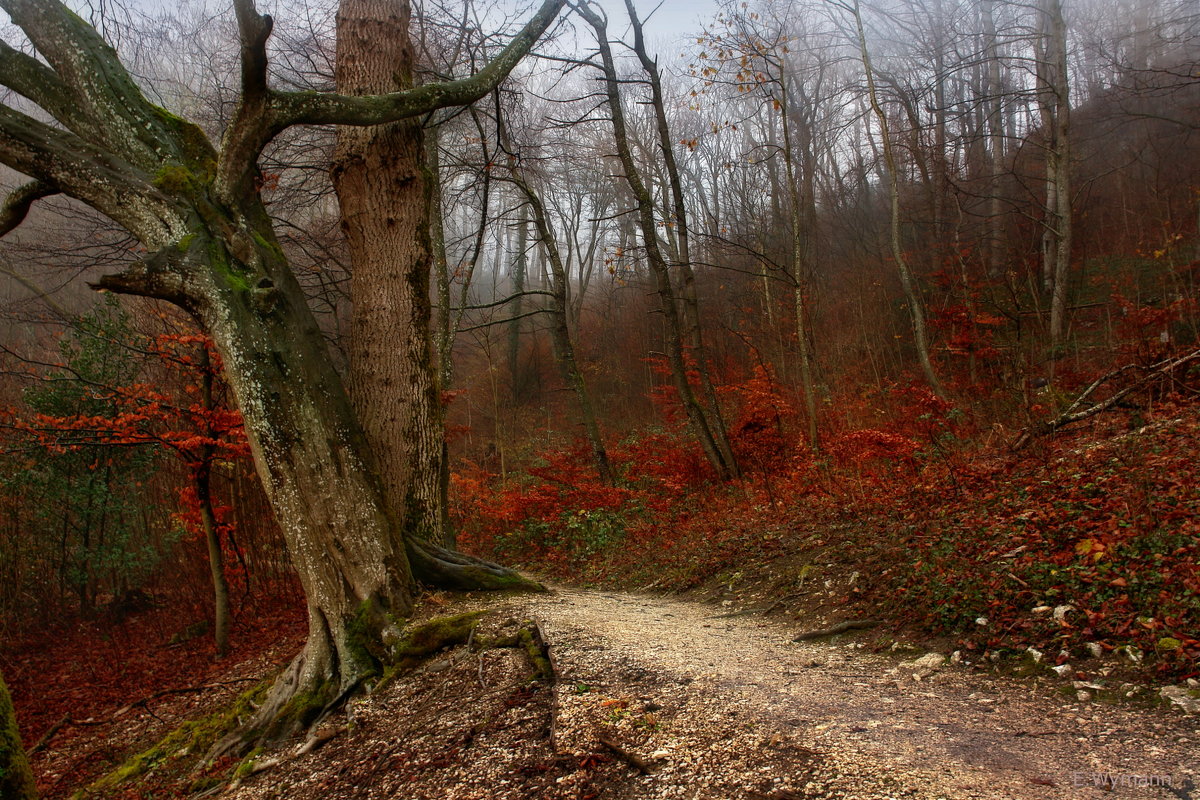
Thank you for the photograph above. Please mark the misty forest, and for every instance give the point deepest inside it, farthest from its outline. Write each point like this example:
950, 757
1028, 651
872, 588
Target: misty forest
599, 399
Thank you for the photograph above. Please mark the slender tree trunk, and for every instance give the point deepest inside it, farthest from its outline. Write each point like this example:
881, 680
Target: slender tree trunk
381, 181
519, 269
995, 134
202, 477
560, 328
682, 236
916, 308
701, 425
1054, 104
799, 264
16, 778
445, 316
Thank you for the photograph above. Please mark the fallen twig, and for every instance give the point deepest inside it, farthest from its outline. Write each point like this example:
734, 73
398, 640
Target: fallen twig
48, 735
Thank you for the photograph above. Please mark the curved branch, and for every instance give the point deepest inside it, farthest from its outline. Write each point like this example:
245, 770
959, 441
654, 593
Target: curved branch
122, 120
17, 205
68, 164
326, 108
262, 114
32, 79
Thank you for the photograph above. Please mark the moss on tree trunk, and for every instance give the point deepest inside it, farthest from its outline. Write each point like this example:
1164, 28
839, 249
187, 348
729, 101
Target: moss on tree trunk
16, 778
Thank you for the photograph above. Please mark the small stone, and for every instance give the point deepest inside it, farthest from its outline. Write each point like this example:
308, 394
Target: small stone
1083, 696
1060, 612
981, 621
1034, 654
1182, 697
1063, 670
1095, 649
1042, 610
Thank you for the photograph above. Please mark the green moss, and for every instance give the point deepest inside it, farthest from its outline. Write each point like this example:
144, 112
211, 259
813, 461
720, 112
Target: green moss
194, 736
218, 259
246, 767
176, 179
418, 644
266, 244
543, 670
300, 711
16, 779
197, 149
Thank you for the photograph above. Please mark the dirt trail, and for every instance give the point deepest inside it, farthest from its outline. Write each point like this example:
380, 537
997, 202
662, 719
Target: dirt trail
717, 708
732, 708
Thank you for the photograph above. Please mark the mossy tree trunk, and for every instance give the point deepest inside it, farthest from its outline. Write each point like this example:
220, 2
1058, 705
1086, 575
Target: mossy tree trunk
16, 779
212, 250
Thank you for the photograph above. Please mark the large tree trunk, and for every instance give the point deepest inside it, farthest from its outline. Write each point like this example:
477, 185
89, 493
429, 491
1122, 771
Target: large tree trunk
16, 779
212, 251
380, 177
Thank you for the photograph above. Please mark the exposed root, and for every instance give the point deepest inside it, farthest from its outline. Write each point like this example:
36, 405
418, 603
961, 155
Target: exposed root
632, 759
834, 630
448, 569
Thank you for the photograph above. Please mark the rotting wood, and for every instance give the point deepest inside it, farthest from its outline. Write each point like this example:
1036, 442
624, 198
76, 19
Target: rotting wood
833, 630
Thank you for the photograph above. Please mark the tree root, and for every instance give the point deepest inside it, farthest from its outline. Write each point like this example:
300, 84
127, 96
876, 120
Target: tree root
532, 642
632, 759
449, 569
833, 630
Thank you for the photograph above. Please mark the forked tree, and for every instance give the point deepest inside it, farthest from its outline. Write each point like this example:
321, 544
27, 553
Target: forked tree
210, 248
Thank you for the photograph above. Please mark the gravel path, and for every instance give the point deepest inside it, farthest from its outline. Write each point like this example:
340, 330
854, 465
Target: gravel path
730, 707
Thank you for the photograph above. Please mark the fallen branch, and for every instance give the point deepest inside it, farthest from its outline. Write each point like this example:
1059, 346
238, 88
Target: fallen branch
635, 761
841, 627
1077, 413
48, 735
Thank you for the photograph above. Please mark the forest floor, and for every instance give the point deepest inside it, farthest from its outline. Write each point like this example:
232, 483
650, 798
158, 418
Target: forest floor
696, 700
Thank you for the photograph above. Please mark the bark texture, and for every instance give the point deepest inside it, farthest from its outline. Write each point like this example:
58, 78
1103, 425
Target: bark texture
380, 178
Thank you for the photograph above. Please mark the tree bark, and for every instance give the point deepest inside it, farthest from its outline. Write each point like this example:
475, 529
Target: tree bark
380, 179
